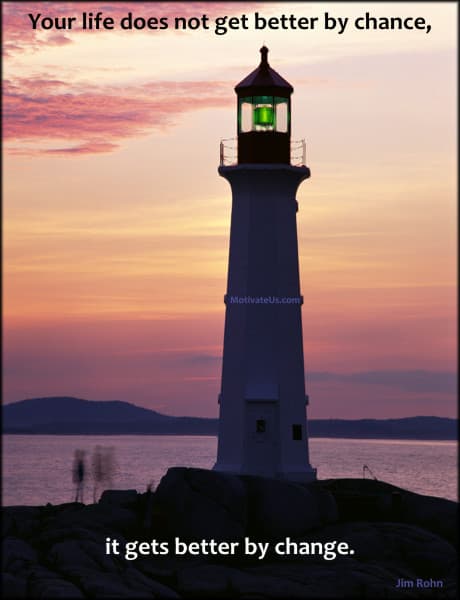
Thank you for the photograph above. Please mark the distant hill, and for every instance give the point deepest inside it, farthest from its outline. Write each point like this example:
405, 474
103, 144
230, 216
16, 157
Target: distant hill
67, 415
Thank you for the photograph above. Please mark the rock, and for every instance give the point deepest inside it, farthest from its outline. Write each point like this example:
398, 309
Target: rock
8, 524
328, 510
45, 584
70, 552
13, 587
104, 585
394, 533
278, 509
20, 521
214, 581
17, 555
361, 499
342, 578
146, 506
435, 514
197, 504
119, 498
86, 553
372, 500
53, 535
299, 581
128, 584
396, 546
139, 580
163, 569
98, 518
205, 581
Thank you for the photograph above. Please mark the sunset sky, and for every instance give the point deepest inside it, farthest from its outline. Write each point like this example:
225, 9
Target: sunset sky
116, 223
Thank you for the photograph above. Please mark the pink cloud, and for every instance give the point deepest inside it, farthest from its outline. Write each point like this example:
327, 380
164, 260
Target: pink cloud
59, 40
19, 36
97, 118
88, 148
92, 119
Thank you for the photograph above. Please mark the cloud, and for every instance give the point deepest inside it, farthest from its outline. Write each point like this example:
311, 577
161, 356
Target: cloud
43, 110
49, 115
441, 382
88, 148
19, 35
59, 40
200, 359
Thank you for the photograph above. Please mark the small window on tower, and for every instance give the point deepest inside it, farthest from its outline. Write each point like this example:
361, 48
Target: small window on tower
297, 432
260, 426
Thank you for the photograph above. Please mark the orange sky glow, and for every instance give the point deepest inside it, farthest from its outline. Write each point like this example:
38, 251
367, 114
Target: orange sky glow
116, 223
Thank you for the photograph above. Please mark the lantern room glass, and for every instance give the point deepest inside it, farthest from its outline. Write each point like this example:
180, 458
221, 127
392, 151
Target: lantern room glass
263, 113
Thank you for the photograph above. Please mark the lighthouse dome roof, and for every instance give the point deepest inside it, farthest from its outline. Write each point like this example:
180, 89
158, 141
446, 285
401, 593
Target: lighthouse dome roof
264, 80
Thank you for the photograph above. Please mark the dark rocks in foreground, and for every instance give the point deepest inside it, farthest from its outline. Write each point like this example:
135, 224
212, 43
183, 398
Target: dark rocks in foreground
59, 551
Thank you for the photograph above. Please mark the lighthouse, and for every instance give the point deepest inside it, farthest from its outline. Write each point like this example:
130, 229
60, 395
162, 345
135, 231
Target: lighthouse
262, 400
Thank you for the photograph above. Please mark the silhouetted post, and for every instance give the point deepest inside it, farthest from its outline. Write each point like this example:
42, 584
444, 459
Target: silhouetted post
96, 463
103, 466
78, 473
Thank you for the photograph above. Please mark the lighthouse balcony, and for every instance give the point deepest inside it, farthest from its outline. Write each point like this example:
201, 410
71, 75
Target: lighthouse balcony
229, 153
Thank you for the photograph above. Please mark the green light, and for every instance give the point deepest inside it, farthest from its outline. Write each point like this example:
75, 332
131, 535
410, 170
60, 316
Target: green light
264, 115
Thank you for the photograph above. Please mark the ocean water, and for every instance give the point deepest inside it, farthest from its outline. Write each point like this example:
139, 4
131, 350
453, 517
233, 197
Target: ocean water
38, 469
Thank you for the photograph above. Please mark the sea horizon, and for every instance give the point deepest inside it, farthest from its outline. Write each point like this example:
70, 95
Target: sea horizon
37, 468
215, 435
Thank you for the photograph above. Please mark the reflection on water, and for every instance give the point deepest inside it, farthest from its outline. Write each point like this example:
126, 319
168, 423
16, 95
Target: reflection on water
38, 469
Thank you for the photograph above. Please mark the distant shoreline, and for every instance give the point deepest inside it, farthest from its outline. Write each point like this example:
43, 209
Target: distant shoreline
311, 436
65, 415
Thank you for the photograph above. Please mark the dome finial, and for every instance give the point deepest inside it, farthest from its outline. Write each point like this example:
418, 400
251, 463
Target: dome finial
264, 55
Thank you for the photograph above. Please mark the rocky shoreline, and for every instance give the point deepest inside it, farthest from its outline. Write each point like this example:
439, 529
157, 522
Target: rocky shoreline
404, 544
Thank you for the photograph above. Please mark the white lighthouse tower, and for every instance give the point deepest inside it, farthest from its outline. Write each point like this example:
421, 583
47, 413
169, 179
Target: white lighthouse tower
262, 425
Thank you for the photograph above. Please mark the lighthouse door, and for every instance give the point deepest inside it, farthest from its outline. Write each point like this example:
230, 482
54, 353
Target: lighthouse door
261, 448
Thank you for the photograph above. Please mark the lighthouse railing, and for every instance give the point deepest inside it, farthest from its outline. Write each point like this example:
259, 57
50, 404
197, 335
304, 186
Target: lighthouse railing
298, 153
229, 152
